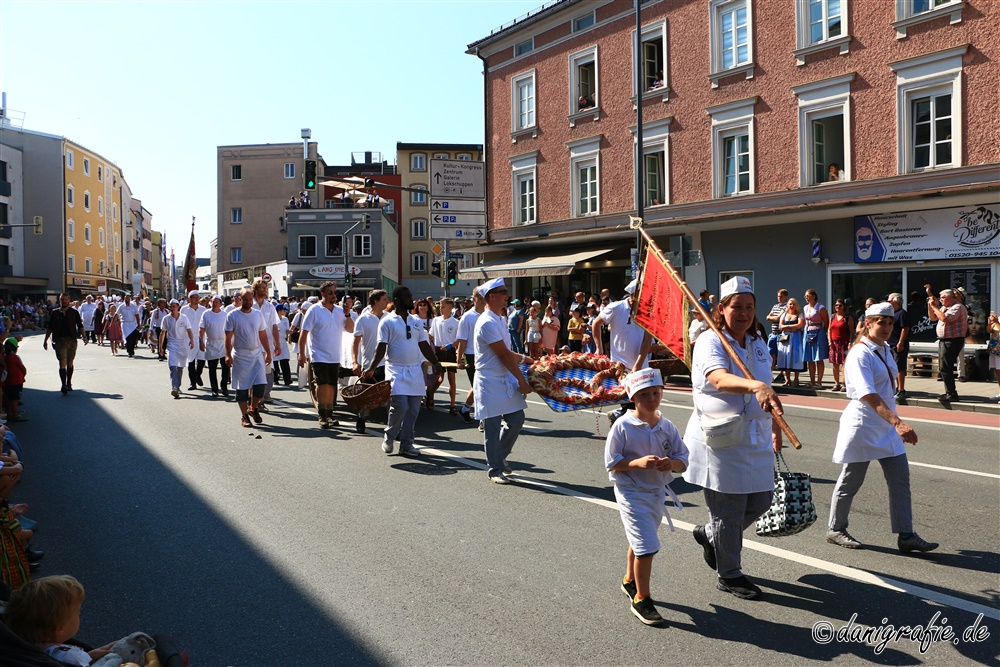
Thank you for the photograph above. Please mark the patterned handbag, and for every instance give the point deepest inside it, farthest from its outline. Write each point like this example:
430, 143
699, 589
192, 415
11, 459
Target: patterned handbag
792, 509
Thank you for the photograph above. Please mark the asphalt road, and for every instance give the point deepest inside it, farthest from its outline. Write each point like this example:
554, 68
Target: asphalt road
287, 545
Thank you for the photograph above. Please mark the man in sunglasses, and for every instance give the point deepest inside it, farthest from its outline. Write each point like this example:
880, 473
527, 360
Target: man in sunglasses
499, 385
402, 341
323, 329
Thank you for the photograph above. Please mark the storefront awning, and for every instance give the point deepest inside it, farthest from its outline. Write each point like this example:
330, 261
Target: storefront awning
525, 265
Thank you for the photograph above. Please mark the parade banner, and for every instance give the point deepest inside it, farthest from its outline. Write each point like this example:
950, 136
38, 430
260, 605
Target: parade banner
190, 277
663, 308
946, 233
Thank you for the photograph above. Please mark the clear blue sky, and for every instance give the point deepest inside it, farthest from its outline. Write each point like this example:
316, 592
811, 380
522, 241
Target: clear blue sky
156, 86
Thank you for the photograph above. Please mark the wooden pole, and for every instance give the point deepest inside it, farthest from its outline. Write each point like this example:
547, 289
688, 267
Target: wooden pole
785, 428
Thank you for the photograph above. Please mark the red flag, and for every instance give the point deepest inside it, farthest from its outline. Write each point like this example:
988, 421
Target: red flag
662, 308
190, 277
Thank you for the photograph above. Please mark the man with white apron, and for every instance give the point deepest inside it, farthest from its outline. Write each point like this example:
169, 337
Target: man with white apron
130, 314
248, 354
499, 385
193, 310
177, 338
266, 308
212, 341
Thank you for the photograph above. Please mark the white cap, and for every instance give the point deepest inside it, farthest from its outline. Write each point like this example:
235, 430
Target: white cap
631, 287
173, 301
737, 285
313, 299
883, 309
192, 293
639, 380
489, 285
216, 297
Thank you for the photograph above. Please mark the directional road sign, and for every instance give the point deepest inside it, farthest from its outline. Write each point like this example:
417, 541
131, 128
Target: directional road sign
449, 233
458, 179
458, 205
462, 219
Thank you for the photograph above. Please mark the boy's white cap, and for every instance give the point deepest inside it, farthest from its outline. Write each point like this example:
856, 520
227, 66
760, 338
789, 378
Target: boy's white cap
631, 287
884, 309
489, 285
737, 285
639, 380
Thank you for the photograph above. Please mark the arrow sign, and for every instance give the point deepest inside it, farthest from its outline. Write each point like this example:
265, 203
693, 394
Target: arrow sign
449, 233
458, 179
462, 219
458, 205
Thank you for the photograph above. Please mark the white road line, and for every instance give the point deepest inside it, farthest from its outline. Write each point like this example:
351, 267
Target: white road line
809, 561
967, 472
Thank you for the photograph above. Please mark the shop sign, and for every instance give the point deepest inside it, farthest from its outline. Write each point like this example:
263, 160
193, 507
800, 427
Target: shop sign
332, 271
946, 233
81, 281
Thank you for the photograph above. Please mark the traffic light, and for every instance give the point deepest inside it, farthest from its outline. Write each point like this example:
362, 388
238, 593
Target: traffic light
349, 280
310, 175
436, 269
452, 272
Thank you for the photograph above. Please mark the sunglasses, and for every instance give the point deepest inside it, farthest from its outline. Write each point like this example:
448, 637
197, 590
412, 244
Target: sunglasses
409, 334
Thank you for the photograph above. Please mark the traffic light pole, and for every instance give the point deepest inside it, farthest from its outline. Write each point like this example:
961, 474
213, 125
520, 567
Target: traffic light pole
444, 265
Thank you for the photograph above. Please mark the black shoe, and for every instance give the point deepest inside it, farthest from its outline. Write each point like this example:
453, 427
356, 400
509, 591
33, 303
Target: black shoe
64, 390
263, 407
225, 392
192, 387
255, 414
199, 382
707, 549
909, 544
69, 386
359, 425
629, 589
901, 394
739, 586
646, 612
215, 393
466, 414
33, 554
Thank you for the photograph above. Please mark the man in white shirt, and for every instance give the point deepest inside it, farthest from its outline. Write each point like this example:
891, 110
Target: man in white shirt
193, 310
322, 334
156, 322
365, 342
246, 338
87, 310
130, 314
629, 341
465, 349
402, 339
212, 341
443, 336
266, 308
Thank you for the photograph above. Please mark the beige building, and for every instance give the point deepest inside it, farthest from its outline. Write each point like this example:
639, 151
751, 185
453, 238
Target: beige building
255, 183
417, 249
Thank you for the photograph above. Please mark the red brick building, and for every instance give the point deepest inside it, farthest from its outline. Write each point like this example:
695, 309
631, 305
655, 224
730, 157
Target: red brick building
769, 128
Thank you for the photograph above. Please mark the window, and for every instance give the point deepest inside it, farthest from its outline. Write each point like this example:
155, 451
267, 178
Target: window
69, 159
442, 156
236, 216
523, 170
70, 200
583, 22
653, 54
100, 206
236, 255
731, 33
362, 245
100, 236
418, 262
86, 166
523, 96
86, 200
334, 245
71, 263
86, 234
654, 175
289, 170
464, 157
418, 228
88, 266
418, 162
118, 245
732, 147
114, 211
524, 47
418, 198
237, 173
70, 230
583, 80
821, 25
584, 173
100, 173
307, 246
101, 268
929, 110
912, 12
824, 135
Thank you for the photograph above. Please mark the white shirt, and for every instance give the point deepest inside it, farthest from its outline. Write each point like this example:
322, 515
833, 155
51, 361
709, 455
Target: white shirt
467, 330
87, 314
366, 328
270, 314
626, 337
129, 314
444, 331
403, 355
157, 317
632, 438
348, 343
245, 328
490, 328
283, 325
495, 389
863, 434
326, 331
176, 329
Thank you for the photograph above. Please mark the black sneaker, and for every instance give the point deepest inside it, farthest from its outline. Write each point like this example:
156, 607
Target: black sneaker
739, 586
645, 611
466, 414
629, 589
359, 425
707, 549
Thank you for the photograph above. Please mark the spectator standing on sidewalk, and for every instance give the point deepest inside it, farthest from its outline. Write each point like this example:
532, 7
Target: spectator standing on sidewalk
774, 317
899, 340
952, 327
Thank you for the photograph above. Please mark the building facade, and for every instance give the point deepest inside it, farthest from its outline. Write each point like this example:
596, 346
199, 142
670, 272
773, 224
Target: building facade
255, 183
775, 136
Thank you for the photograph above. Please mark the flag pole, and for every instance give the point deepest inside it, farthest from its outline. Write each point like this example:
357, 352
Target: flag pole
636, 223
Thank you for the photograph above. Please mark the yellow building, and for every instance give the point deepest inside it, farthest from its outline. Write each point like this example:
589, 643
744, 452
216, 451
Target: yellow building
93, 215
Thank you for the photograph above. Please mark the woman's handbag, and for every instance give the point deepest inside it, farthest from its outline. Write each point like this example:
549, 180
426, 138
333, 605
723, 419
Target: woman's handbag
783, 338
722, 432
792, 509
293, 335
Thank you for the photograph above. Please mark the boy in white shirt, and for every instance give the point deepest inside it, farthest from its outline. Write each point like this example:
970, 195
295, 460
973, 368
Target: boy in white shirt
443, 336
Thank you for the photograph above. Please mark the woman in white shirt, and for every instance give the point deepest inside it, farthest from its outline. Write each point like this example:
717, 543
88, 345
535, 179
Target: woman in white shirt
870, 430
177, 337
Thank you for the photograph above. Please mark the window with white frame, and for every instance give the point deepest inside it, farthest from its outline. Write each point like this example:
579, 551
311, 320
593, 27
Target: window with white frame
70, 230
583, 80
820, 25
584, 163
236, 216
824, 130
100, 206
114, 211
100, 236
118, 245
236, 173
418, 228
418, 198
731, 37
88, 265
653, 56
912, 12
523, 97
100, 173
86, 166
929, 110
307, 246
289, 170
71, 263
418, 262
361, 245
86, 200
524, 47
732, 148
418, 162
442, 156
334, 245
69, 159
584, 22
86, 233
70, 196
236, 255
464, 156
654, 161
524, 187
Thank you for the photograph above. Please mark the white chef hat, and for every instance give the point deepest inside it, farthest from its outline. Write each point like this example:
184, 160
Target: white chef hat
216, 297
883, 309
632, 286
736, 285
490, 285
192, 293
639, 380
175, 301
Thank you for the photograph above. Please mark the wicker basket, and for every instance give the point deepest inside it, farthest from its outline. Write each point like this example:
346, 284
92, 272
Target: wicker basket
361, 396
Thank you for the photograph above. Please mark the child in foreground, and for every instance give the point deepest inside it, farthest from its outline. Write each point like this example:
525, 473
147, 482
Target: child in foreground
642, 450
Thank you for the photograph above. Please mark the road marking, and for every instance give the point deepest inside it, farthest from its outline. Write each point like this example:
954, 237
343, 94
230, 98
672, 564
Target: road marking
834, 568
967, 472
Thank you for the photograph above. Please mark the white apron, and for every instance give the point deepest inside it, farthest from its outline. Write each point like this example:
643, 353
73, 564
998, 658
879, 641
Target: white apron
406, 380
497, 396
215, 349
177, 352
248, 368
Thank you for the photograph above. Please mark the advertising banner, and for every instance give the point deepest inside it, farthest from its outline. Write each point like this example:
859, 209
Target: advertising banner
947, 233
